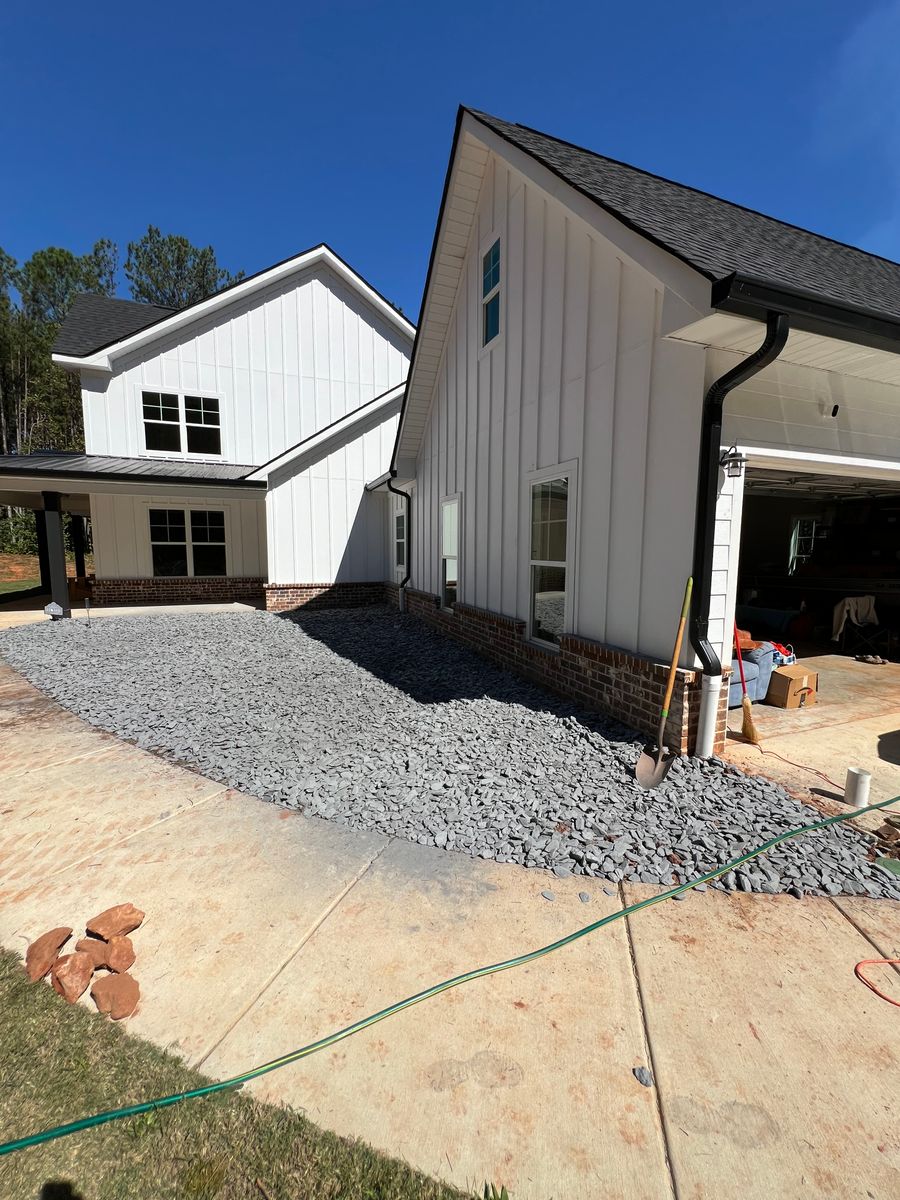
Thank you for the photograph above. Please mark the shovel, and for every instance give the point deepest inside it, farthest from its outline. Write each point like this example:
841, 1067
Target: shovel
653, 765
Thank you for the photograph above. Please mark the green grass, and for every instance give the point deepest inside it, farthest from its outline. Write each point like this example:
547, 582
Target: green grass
17, 585
59, 1062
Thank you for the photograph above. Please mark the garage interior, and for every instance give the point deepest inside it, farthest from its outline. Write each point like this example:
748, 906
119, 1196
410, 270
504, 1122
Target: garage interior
812, 547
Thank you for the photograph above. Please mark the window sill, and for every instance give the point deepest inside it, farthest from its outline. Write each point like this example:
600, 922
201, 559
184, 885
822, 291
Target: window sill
492, 345
545, 647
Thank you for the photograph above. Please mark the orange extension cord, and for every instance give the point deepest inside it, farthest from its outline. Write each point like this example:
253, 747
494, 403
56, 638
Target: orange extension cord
866, 962
876, 962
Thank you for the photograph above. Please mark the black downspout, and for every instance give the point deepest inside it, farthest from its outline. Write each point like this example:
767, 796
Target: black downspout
406, 496
777, 329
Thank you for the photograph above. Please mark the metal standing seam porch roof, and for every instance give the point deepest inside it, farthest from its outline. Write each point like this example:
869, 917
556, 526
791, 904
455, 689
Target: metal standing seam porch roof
112, 467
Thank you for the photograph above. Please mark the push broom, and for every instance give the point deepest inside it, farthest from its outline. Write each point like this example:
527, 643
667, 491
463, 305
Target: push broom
748, 729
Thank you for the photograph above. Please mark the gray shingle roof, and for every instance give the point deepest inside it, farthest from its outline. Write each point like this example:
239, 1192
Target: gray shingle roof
715, 236
97, 321
108, 466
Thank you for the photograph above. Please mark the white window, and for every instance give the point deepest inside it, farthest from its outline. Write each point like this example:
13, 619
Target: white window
187, 541
181, 425
400, 541
549, 558
449, 551
490, 294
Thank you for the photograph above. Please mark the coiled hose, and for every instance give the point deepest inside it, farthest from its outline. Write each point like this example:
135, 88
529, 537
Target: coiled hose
136, 1110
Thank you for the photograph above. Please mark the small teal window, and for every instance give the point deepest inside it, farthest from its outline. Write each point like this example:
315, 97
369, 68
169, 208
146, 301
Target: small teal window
491, 319
490, 274
490, 294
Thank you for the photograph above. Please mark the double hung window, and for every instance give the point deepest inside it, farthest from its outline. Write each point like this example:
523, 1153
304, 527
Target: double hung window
187, 541
549, 545
176, 424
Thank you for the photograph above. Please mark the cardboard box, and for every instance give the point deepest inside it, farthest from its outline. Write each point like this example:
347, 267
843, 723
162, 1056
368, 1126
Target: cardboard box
792, 687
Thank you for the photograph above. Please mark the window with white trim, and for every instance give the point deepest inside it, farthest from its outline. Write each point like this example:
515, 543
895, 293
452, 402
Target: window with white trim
187, 541
449, 551
549, 544
400, 541
181, 425
490, 294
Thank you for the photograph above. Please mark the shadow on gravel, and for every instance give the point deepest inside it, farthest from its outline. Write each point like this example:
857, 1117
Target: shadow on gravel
430, 667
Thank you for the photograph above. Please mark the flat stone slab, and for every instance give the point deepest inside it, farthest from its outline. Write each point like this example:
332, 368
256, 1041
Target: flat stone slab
231, 890
523, 1079
777, 1069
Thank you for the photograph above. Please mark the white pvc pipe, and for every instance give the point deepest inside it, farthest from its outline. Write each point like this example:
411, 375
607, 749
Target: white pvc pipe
856, 787
401, 604
710, 688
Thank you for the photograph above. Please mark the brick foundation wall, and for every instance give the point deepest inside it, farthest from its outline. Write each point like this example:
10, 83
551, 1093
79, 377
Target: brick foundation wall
281, 597
176, 590
603, 678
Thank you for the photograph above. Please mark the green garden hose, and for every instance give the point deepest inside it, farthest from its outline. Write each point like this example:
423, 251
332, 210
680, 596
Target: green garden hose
136, 1110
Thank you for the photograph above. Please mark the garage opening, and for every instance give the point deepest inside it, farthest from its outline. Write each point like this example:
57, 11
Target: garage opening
819, 576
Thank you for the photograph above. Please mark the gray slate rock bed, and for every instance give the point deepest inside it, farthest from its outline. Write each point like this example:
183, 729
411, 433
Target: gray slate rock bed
367, 718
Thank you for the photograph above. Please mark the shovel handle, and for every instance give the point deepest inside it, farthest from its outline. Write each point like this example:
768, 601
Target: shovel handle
670, 685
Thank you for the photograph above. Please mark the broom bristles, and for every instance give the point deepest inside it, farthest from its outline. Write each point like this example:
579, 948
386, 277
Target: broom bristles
748, 729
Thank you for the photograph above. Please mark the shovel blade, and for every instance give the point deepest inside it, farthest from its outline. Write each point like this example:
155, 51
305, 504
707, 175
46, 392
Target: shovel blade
653, 766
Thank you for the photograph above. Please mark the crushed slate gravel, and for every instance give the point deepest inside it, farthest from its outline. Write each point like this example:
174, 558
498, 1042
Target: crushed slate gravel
369, 719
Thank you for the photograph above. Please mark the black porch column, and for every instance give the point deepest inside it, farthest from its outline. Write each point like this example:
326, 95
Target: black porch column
56, 552
40, 523
77, 527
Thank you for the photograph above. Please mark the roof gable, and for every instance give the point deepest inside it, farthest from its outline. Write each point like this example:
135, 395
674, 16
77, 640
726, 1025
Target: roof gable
715, 236
173, 321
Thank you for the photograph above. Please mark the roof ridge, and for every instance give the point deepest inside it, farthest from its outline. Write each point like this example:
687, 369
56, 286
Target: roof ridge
687, 187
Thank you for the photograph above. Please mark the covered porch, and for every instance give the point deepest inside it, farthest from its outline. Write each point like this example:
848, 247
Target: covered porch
56, 585
164, 531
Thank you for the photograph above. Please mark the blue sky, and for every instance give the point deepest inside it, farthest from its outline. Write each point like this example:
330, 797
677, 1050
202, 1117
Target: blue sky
264, 128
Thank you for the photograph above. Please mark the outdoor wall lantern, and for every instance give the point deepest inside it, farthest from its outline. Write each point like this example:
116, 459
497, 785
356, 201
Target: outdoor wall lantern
733, 462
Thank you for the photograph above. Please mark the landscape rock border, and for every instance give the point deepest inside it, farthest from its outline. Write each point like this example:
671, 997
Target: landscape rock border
370, 719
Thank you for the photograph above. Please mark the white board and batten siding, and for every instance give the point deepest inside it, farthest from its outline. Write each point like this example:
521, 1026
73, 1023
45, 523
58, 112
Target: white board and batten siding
323, 526
579, 374
121, 532
284, 363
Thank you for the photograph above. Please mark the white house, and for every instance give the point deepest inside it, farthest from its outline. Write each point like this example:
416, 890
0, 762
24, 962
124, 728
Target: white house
617, 382
227, 445
562, 442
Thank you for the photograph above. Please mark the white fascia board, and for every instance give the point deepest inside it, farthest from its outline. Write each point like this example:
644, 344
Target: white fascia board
103, 359
377, 484
375, 410
820, 463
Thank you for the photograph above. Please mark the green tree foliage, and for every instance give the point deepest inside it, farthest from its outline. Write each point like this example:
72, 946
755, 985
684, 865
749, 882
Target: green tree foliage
40, 404
169, 270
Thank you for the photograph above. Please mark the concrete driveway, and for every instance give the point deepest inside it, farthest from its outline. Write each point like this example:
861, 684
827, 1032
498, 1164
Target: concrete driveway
775, 1070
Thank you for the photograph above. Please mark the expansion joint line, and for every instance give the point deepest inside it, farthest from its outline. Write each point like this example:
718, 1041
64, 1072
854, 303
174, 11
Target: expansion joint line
236, 1081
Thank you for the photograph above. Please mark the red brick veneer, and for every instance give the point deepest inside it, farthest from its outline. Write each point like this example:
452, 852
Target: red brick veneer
177, 590
612, 681
281, 597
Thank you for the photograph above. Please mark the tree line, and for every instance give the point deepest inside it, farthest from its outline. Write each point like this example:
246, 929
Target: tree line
40, 404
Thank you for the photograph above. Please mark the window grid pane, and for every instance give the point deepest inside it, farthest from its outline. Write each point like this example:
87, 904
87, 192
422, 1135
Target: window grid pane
167, 525
201, 410
490, 269
491, 319
450, 528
